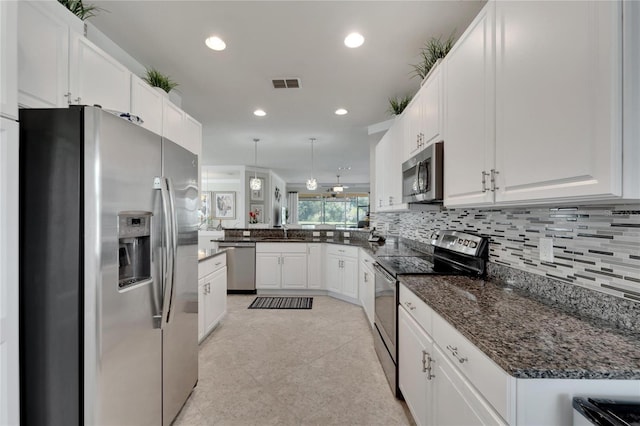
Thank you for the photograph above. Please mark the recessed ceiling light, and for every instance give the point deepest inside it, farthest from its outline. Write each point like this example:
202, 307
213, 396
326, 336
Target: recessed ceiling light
259, 113
341, 111
215, 43
354, 40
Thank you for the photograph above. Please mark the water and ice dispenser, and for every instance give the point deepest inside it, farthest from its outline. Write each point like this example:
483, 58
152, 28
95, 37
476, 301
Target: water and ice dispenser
134, 249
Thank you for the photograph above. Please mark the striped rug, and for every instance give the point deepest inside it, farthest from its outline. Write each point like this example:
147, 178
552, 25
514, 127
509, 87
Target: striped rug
282, 303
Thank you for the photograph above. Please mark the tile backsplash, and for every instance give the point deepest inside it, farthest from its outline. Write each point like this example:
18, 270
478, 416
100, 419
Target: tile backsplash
594, 247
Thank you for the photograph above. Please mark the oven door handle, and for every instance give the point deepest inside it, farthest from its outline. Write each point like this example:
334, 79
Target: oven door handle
387, 276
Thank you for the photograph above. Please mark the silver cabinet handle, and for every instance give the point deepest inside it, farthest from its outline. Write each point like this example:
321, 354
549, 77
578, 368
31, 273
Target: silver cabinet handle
218, 264
68, 96
365, 277
454, 352
426, 364
410, 306
494, 187
484, 181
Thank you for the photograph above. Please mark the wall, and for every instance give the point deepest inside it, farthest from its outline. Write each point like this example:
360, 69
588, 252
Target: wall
226, 178
594, 247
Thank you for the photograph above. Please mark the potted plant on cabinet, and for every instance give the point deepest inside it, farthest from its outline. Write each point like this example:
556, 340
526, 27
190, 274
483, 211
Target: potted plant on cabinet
156, 79
398, 104
81, 10
432, 53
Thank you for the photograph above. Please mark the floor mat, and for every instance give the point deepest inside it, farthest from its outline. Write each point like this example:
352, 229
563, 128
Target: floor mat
282, 303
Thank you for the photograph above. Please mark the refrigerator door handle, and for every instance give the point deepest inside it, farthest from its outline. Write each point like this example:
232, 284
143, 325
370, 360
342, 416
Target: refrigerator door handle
167, 264
174, 245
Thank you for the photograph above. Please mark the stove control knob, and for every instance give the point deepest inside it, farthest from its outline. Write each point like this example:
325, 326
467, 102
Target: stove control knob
473, 244
460, 241
466, 243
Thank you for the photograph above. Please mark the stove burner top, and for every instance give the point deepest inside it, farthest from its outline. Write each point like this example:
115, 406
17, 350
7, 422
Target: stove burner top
400, 265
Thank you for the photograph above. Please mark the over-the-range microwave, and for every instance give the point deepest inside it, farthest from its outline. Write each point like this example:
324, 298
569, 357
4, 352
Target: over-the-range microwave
422, 176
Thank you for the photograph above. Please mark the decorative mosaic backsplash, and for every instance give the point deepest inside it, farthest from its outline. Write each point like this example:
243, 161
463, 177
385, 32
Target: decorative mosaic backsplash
594, 247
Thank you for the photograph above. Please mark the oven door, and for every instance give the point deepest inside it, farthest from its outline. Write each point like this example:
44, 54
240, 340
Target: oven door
385, 308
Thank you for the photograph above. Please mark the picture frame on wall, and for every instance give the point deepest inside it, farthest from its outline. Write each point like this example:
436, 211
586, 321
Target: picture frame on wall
258, 194
205, 207
224, 205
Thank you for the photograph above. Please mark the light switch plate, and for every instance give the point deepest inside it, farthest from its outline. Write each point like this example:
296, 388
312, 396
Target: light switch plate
246, 233
316, 233
346, 235
546, 249
329, 234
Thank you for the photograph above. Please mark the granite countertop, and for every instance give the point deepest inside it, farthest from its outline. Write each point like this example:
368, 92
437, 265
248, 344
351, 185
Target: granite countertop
204, 254
528, 338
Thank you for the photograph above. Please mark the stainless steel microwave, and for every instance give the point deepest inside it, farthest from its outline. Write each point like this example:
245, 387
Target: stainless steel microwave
422, 175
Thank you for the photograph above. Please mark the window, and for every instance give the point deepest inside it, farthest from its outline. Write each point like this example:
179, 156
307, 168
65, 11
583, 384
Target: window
342, 211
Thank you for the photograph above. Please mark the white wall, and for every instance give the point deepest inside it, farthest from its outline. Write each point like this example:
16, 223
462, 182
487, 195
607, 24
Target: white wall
227, 178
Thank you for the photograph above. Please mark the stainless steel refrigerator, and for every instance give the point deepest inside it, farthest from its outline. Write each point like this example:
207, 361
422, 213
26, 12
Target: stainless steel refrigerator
108, 271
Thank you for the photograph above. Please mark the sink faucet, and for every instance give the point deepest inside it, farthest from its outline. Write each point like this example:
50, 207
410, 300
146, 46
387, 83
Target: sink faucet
284, 228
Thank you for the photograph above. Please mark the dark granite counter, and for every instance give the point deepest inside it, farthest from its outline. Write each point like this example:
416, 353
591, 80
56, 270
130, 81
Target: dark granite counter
204, 254
526, 337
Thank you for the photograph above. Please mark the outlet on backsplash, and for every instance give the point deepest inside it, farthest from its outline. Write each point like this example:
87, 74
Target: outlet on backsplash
316, 234
329, 234
246, 233
346, 235
546, 249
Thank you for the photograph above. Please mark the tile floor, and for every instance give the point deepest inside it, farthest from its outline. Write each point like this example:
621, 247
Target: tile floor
291, 367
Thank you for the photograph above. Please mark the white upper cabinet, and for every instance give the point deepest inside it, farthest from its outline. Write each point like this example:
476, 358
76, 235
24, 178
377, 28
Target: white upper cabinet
173, 119
469, 113
388, 173
533, 107
425, 115
193, 135
558, 100
43, 54
8, 60
96, 78
146, 103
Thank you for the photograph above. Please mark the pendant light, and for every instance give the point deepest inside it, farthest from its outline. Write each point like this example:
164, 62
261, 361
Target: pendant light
255, 183
312, 183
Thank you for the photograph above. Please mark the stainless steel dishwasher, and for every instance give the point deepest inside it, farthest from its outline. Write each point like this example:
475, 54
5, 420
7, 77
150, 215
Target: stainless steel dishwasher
241, 266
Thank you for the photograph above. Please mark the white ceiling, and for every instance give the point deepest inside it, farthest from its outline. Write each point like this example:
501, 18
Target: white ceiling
271, 39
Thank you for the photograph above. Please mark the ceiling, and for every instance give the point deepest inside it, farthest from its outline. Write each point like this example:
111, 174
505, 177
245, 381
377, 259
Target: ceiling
274, 39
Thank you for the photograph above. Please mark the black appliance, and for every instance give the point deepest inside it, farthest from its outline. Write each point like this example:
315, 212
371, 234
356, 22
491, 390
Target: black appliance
454, 253
606, 412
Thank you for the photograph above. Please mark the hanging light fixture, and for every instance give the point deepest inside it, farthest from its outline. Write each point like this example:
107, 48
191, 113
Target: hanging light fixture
312, 183
255, 183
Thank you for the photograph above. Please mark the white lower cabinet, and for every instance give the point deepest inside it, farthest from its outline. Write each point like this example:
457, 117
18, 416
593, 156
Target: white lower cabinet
367, 286
212, 293
281, 266
315, 273
342, 270
414, 377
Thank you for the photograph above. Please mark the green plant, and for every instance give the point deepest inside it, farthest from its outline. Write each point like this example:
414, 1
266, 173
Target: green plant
433, 50
156, 79
81, 10
398, 104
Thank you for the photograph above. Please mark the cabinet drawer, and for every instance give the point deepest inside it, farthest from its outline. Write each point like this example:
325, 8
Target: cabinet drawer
492, 382
281, 248
416, 308
341, 250
211, 265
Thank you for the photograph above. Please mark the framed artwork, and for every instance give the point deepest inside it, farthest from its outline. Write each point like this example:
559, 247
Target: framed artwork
224, 205
258, 194
205, 207
258, 213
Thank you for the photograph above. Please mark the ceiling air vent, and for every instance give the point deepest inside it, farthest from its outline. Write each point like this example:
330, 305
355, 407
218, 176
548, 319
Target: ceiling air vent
286, 83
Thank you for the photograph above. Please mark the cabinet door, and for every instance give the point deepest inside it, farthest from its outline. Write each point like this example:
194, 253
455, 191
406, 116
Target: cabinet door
202, 300
469, 113
411, 122
43, 57
379, 176
192, 135
334, 273
455, 401
96, 78
369, 289
216, 298
314, 267
294, 270
431, 109
146, 103
415, 349
267, 270
172, 122
393, 167
350, 277
558, 99
9, 340
8, 59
